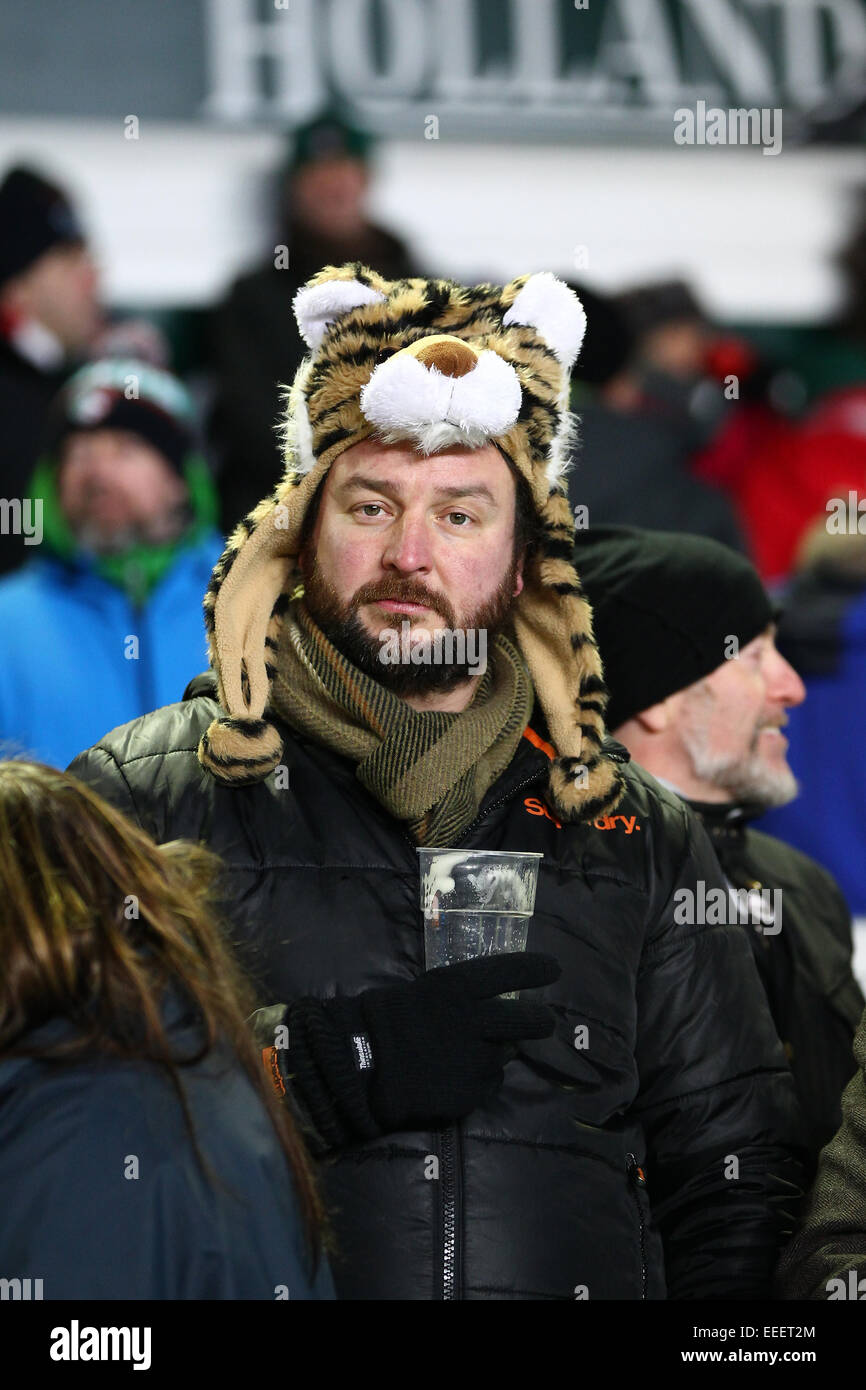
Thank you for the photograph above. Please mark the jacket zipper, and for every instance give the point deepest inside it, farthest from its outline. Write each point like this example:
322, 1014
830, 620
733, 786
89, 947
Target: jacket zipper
450, 1138
449, 1141
613, 753
450, 1177
494, 805
637, 1179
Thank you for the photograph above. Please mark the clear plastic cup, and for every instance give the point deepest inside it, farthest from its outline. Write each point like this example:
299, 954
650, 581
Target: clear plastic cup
475, 903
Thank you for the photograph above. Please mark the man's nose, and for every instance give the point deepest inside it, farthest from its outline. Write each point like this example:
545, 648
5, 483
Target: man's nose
88, 273
784, 685
408, 547
102, 462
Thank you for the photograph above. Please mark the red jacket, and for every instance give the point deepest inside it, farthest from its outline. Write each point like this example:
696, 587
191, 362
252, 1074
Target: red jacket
780, 475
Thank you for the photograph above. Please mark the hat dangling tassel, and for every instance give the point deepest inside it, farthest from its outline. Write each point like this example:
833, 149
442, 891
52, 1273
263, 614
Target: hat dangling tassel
240, 751
580, 791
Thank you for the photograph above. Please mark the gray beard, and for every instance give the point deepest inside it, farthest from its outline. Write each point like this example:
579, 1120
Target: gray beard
745, 778
96, 541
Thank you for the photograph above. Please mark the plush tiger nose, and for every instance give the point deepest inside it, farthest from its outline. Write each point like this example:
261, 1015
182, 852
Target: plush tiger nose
448, 355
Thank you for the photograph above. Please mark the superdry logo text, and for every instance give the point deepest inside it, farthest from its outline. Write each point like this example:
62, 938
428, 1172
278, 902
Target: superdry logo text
629, 824
76, 1343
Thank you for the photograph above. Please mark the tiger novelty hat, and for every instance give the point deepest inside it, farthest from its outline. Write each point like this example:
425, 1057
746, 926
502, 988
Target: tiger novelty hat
437, 364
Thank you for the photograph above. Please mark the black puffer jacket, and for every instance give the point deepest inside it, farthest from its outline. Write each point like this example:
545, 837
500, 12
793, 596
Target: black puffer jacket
541, 1194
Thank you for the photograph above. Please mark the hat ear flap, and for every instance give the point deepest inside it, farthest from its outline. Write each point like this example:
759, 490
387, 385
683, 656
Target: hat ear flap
552, 308
318, 306
553, 626
242, 612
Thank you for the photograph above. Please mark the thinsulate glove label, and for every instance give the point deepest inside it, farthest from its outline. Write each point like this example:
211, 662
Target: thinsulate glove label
362, 1052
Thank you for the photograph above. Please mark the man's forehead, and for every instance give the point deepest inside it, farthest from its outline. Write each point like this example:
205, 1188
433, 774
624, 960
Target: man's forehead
106, 438
768, 635
755, 644
402, 466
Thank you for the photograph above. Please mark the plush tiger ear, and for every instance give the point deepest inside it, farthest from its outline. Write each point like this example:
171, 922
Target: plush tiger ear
318, 306
553, 309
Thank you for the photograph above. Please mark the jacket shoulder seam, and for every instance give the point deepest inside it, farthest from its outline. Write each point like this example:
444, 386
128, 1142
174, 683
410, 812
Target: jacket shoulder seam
152, 753
109, 754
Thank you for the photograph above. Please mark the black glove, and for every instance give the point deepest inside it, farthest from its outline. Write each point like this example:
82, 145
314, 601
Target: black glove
415, 1055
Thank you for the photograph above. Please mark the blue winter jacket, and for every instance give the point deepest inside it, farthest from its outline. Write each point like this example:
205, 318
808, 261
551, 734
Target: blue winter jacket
77, 657
104, 1197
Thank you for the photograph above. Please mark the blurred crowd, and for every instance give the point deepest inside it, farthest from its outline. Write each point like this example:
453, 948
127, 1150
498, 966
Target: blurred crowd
118, 486
121, 483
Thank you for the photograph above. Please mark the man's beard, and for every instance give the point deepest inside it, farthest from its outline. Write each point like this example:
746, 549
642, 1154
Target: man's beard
744, 778
340, 622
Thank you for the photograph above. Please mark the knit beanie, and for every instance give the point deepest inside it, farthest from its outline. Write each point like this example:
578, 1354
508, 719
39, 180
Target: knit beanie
437, 364
125, 394
35, 216
654, 306
329, 136
665, 606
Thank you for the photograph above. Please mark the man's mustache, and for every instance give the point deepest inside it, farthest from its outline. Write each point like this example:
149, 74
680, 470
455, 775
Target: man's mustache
404, 591
779, 723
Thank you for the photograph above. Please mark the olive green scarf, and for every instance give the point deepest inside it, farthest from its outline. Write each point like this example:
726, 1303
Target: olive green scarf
431, 768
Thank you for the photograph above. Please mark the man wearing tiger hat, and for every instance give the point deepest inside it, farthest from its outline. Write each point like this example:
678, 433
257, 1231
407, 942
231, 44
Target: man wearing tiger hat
627, 1133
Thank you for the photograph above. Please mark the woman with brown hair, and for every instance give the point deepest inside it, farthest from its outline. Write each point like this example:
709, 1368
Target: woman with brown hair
142, 1152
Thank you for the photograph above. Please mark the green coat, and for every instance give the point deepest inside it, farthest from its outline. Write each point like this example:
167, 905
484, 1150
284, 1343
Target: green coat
830, 1243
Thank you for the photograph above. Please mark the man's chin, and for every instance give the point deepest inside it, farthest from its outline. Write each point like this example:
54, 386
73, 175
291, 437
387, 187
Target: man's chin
364, 649
763, 785
100, 540
117, 540
422, 680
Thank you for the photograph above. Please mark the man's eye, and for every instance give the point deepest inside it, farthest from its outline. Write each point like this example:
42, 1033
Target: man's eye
462, 515
366, 506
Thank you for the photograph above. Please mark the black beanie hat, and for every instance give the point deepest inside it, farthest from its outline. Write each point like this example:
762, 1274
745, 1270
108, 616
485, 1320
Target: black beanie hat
608, 342
664, 607
652, 306
35, 215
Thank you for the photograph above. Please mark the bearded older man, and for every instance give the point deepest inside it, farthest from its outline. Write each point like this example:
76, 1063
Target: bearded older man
575, 1144
698, 696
